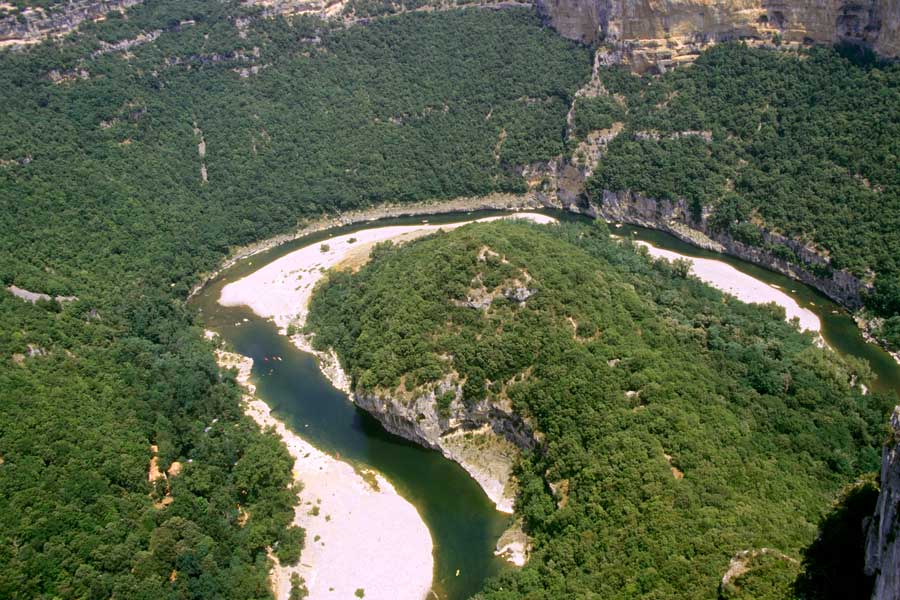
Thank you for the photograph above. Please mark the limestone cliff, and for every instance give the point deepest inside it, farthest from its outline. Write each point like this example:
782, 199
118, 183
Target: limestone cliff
350, 12
677, 219
883, 543
36, 24
650, 33
484, 438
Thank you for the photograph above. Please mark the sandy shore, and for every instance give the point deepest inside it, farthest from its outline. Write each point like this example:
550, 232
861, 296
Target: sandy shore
723, 276
360, 533
282, 289
425, 209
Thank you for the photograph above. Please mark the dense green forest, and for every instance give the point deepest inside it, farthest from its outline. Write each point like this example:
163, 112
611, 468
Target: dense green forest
84, 394
102, 197
135, 153
806, 145
680, 425
403, 109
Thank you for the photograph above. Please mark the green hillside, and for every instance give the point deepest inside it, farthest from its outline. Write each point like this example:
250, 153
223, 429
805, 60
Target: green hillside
680, 425
806, 145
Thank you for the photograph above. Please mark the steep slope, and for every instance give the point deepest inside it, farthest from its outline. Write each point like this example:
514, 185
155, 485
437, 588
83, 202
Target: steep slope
788, 161
883, 548
33, 24
672, 427
663, 34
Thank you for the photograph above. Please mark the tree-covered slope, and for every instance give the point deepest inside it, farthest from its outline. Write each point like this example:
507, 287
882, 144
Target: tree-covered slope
804, 145
103, 137
83, 396
102, 170
679, 425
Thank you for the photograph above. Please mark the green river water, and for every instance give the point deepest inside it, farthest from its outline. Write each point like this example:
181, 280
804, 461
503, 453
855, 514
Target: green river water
463, 522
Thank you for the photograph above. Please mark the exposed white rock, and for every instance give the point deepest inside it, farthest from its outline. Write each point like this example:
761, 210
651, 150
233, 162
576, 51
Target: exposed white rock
514, 545
358, 535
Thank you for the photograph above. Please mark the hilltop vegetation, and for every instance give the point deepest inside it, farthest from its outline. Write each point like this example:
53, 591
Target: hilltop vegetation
807, 146
102, 197
680, 425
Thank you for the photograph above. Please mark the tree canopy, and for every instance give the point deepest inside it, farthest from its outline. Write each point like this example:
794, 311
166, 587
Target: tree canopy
806, 145
105, 137
679, 425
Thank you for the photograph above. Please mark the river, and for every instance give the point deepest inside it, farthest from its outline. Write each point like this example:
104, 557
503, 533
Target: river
463, 522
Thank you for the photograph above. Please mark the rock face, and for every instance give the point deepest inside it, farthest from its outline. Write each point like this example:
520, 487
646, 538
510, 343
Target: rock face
35, 24
649, 33
484, 438
679, 220
883, 543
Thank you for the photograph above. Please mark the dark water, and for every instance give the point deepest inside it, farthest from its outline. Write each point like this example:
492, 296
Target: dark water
463, 522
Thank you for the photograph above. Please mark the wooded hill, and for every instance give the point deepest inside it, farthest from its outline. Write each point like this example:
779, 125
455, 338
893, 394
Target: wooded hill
805, 145
679, 425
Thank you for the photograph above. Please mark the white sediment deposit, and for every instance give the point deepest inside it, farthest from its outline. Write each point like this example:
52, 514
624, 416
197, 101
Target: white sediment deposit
360, 533
282, 289
723, 276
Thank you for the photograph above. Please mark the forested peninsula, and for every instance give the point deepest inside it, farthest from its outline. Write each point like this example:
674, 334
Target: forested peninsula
676, 426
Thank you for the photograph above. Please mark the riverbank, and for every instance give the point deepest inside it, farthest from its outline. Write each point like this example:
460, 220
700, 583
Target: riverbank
673, 218
360, 533
726, 278
281, 291
869, 326
497, 201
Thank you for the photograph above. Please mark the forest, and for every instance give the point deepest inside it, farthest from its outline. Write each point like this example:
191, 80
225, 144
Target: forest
105, 137
135, 153
806, 145
679, 425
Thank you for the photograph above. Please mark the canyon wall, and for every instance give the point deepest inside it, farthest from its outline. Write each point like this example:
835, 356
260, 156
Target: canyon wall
677, 219
883, 543
36, 24
484, 438
653, 33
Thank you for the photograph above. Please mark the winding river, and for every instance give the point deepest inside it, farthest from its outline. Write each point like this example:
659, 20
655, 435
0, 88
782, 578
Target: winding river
463, 522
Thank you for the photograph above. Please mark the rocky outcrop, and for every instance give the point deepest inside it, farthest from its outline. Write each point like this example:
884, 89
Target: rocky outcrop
883, 543
348, 11
322, 8
871, 328
677, 219
34, 297
646, 34
514, 545
34, 25
484, 438
128, 44
741, 563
